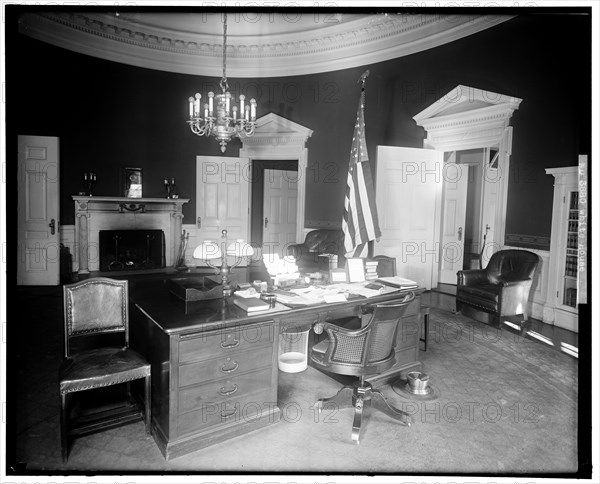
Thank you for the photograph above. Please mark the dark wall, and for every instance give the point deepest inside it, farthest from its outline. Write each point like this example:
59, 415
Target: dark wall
110, 115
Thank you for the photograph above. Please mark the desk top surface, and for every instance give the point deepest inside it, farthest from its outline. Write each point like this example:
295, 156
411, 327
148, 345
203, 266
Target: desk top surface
175, 316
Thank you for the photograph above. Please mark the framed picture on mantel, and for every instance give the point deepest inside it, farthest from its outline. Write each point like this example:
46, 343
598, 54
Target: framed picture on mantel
133, 182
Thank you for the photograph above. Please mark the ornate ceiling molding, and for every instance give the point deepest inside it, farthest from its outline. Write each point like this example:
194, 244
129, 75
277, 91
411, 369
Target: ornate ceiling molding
312, 47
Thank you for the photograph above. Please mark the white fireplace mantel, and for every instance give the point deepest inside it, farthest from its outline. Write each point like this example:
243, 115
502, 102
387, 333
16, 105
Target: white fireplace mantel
93, 214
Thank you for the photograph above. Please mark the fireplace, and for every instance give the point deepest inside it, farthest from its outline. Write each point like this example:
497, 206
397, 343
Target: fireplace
94, 215
129, 250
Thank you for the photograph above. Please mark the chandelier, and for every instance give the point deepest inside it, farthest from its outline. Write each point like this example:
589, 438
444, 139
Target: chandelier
221, 118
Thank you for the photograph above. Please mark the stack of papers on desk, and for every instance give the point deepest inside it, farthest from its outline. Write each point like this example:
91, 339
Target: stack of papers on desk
246, 293
309, 295
398, 282
327, 294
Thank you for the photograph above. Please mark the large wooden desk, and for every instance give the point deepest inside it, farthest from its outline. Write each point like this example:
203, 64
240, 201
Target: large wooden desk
214, 367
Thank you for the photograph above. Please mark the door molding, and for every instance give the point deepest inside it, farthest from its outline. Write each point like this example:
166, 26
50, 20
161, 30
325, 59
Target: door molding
278, 138
468, 118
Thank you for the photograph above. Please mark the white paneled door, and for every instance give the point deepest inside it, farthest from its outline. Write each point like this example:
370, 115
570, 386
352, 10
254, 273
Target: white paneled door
408, 186
222, 198
38, 250
489, 208
454, 209
279, 210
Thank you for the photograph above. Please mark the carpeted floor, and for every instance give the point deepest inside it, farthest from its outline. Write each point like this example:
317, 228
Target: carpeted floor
502, 404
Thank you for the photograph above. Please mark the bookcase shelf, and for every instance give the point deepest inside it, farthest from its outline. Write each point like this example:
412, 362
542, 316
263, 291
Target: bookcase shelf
564, 250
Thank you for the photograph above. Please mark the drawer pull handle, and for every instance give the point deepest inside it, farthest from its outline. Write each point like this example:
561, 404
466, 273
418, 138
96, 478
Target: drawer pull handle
232, 369
232, 345
229, 414
223, 391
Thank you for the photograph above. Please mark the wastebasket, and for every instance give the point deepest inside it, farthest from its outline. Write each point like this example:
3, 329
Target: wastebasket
293, 349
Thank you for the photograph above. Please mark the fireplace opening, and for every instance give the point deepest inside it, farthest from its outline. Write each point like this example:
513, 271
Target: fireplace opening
128, 250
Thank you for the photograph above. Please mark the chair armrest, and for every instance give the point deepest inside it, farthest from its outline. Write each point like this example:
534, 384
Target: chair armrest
320, 327
367, 309
297, 250
472, 277
519, 282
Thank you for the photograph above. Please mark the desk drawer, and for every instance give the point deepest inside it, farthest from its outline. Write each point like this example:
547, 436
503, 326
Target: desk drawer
225, 366
204, 346
191, 398
233, 411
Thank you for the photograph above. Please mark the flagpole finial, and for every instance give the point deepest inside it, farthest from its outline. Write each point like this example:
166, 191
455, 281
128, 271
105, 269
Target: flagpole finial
363, 78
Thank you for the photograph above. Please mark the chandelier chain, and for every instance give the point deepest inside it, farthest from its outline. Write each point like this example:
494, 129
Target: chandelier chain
224, 84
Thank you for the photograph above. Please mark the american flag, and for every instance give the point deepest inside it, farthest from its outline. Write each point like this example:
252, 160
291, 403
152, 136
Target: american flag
360, 224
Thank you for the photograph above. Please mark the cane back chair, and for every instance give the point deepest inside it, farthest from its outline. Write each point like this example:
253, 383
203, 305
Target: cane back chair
362, 352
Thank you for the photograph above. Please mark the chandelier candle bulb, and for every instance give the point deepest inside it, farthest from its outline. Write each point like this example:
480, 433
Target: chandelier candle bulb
211, 95
235, 113
191, 107
227, 102
252, 109
242, 97
197, 104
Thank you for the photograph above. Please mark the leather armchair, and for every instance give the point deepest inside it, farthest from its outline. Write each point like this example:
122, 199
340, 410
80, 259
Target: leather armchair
320, 241
502, 288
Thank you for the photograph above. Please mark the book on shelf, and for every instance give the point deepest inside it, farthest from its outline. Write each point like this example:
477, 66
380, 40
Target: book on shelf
398, 282
251, 304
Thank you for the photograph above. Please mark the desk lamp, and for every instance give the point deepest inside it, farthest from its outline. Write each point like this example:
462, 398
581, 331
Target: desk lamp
209, 250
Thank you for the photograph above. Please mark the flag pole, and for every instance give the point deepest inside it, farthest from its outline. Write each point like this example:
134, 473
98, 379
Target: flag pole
359, 222
362, 80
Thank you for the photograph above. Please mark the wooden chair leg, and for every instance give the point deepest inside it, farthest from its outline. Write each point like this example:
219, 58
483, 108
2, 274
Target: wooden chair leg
148, 405
342, 399
359, 405
379, 402
425, 313
64, 440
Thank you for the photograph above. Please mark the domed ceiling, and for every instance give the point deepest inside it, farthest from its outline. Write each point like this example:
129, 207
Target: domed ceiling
259, 43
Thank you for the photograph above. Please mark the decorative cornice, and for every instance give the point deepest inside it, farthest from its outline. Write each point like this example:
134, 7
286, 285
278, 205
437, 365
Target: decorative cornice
466, 118
275, 130
491, 115
361, 40
274, 141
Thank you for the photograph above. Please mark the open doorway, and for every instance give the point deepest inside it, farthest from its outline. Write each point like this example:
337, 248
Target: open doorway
469, 207
273, 205
277, 144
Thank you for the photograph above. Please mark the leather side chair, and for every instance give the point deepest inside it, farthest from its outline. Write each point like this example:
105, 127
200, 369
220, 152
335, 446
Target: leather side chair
502, 288
94, 308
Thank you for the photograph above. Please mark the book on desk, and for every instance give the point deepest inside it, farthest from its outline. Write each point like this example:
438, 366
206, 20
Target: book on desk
397, 282
251, 304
